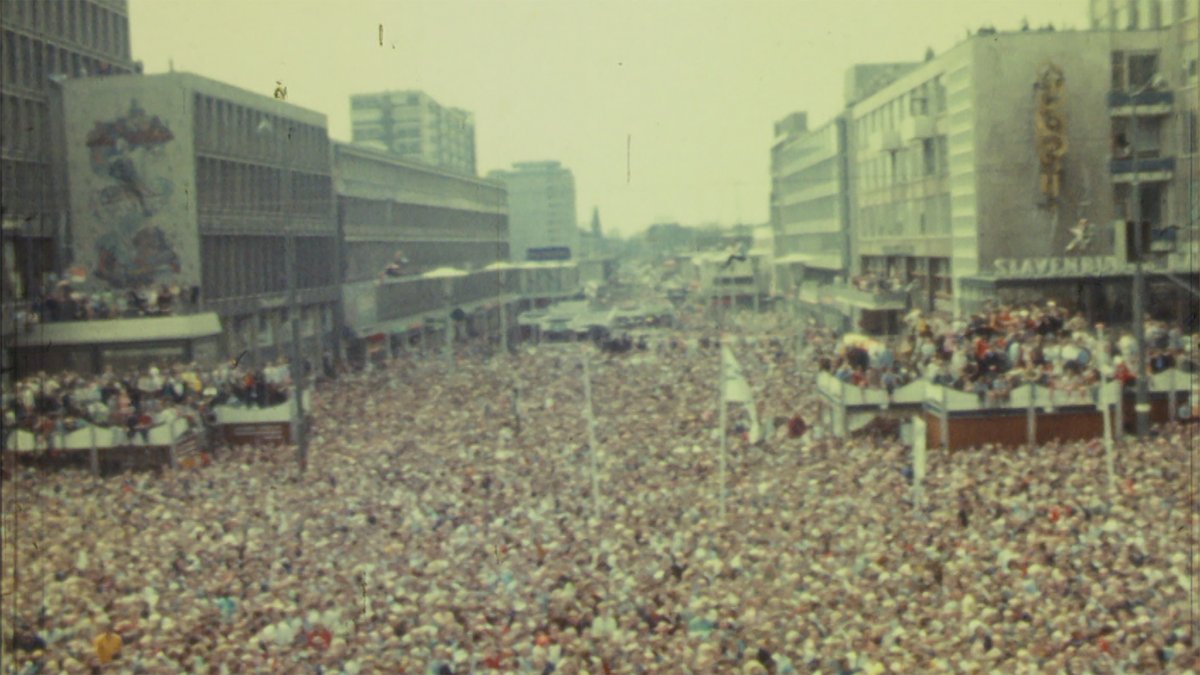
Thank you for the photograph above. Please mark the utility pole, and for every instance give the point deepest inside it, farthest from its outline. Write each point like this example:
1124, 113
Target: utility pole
503, 312
297, 367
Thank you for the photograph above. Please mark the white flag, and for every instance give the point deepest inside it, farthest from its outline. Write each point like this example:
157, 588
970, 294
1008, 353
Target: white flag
737, 390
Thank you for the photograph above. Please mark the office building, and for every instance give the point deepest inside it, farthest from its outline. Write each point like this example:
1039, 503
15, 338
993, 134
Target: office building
1175, 59
44, 44
400, 219
970, 171
809, 204
541, 211
413, 125
178, 179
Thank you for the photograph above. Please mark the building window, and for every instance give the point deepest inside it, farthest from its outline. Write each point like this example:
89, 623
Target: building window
1142, 68
1118, 71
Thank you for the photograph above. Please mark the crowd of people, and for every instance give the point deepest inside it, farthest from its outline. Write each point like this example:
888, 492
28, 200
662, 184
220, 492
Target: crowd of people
447, 524
137, 400
63, 302
999, 350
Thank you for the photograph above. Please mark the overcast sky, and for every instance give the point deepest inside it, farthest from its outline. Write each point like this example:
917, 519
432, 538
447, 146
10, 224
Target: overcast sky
691, 89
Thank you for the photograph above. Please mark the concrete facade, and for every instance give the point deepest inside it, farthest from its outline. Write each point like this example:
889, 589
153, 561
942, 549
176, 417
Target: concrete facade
809, 202
41, 43
412, 124
945, 173
1178, 24
434, 217
178, 179
541, 207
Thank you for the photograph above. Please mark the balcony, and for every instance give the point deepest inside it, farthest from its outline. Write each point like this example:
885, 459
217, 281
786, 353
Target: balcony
871, 300
1148, 103
1148, 170
919, 128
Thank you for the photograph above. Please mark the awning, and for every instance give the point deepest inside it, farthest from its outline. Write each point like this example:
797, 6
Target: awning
118, 331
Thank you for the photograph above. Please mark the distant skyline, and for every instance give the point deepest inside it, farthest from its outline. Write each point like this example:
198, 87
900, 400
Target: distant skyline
662, 110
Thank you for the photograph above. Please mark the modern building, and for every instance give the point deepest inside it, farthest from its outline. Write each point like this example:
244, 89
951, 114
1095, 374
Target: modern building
44, 44
810, 204
541, 208
1176, 60
399, 220
970, 171
412, 124
178, 179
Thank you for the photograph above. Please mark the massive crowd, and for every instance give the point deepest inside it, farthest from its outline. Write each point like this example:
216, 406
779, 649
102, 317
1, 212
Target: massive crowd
447, 524
996, 351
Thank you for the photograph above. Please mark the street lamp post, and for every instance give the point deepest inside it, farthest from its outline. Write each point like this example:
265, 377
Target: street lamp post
503, 312
448, 295
297, 367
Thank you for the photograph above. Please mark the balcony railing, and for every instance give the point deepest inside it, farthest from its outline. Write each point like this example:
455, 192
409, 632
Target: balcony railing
1152, 100
1154, 165
873, 300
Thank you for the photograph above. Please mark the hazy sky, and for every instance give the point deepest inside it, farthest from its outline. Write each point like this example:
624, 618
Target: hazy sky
691, 88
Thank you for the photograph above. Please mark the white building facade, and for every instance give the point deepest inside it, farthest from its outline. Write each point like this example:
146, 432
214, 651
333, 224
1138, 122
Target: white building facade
412, 124
950, 191
541, 211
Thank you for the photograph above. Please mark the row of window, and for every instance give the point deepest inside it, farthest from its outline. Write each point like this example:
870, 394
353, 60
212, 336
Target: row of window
1141, 14
28, 62
927, 98
228, 128
822, 208
914, 217
929, 159
236, 187
83, 22
823, 172
27, 188
238, 265
23, 126
408, 219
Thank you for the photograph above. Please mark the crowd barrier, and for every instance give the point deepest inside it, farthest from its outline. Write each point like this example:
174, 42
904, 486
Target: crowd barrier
104, 449
1029, 412
240, 425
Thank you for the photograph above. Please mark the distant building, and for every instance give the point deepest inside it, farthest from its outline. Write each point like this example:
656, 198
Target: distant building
541, 211
809, 203
413, 125
45, 42
399, 219
178, 179
864, 79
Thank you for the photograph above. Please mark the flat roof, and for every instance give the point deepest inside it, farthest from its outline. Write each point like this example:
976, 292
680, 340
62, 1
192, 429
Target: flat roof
121, 331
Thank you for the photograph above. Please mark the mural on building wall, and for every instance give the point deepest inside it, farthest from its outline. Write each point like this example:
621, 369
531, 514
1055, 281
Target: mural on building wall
128, 153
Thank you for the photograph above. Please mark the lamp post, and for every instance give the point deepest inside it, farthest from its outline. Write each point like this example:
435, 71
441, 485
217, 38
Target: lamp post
503, 312
1142, 401
297, 367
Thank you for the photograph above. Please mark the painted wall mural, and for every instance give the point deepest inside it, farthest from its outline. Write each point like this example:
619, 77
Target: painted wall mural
127, 153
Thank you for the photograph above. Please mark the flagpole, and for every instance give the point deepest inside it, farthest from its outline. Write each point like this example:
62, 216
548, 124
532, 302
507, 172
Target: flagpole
724, 438
591, 429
